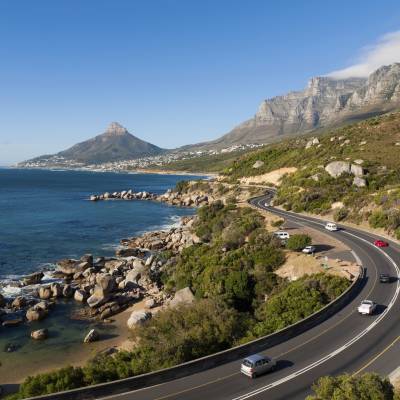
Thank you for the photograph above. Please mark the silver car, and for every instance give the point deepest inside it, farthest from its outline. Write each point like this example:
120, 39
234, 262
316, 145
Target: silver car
257, 364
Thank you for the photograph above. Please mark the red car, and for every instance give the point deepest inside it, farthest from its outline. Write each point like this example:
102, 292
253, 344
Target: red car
381, 243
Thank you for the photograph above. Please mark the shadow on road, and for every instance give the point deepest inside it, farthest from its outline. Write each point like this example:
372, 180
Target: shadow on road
282, 364
322, 247
380, 308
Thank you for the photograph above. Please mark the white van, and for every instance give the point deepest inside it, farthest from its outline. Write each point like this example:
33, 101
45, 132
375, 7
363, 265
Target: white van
282, 235
330, 226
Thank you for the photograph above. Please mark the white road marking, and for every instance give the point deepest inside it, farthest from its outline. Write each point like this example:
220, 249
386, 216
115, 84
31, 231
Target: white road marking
346, 345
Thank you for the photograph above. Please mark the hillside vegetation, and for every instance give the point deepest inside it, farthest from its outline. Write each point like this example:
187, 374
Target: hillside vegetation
238, 298
373, 145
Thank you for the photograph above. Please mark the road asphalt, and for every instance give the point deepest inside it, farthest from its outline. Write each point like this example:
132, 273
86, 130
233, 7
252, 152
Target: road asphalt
346, 342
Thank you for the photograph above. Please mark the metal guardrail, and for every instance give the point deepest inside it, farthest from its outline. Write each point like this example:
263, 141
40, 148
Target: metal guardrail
213, 360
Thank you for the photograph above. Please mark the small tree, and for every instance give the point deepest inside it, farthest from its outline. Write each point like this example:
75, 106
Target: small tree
298, 242
346, 387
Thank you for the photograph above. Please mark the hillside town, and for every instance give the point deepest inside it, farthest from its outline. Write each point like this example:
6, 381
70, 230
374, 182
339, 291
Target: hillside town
60, 162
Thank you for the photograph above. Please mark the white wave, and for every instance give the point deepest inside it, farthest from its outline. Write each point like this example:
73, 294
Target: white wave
10, 291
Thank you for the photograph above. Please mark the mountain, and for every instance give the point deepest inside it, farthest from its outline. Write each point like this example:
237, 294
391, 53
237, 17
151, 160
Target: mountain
325, 102
115, 144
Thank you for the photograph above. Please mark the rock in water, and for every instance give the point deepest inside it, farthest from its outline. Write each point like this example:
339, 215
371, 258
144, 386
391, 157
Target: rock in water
80, 295
45, 292
35, 314
40, 334
19, 302
92, 336
33, 279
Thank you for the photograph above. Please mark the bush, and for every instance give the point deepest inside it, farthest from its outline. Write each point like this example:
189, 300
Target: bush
347, 387
340, 214
277, 223
298, 242
296, 301
378, 219
182, 186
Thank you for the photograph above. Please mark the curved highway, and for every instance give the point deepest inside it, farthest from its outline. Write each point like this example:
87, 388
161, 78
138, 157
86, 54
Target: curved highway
346, 342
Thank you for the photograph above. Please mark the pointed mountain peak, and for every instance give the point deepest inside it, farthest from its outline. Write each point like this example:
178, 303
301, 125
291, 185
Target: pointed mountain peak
116, 129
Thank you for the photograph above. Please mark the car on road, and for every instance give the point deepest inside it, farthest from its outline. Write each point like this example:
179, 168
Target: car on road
281, 235
384, 278
330, 226
257, 364
309, 249
381, 243
367, 307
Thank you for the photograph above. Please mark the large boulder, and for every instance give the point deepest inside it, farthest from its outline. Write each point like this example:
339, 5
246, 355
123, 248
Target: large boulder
32, 279
357, 170
92, 336
12, 320
35, 314
45, 292
138, 269
99, 296
337, 168
359, 182
19, 302
80, 295
138, 317
40, 334
258, 164
68, 291
88, 258
106, 282
68, 267
56, 290
182, 296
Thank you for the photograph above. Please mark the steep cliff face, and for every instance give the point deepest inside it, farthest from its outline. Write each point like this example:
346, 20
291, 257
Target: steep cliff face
323, 102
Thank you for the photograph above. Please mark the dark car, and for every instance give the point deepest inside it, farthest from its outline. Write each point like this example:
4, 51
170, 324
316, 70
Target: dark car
384, 278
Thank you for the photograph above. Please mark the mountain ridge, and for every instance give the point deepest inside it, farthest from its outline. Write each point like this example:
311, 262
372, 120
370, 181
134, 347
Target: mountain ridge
115, 144
324, 102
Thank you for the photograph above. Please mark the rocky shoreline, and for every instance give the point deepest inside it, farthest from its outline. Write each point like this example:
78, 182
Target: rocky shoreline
105, 286
170, 197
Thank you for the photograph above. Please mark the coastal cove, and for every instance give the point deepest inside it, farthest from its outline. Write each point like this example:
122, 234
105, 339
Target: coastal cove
45, 216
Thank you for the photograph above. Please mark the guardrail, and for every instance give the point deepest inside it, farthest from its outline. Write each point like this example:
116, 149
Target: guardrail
213, 360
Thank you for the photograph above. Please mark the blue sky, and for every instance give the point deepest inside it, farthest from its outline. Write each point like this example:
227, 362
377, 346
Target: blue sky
173, 72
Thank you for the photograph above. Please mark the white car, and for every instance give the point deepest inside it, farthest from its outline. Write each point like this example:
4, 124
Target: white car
282, 235
256, 365
367, 307
330, 226
309, 249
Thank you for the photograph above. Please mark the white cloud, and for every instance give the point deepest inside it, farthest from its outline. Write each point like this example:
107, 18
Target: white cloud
384, 52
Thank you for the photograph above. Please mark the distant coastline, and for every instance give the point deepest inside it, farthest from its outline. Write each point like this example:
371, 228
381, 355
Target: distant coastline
123, 171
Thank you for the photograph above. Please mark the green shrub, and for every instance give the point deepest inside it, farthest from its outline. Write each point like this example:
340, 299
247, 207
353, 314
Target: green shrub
349, 387
378, 219
340, 214
296, 301
298, 242
182, 186
278, 223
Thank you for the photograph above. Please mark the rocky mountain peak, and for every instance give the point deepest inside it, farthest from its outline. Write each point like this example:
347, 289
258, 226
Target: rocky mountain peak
116, 129
325, 101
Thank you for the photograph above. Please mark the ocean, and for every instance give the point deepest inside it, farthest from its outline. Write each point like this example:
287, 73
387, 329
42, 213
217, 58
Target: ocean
46, 216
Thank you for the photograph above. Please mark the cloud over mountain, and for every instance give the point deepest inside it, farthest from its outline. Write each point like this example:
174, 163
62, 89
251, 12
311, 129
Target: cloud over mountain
385, 51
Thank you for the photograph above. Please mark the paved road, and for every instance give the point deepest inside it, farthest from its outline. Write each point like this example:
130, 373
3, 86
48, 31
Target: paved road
346, 342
